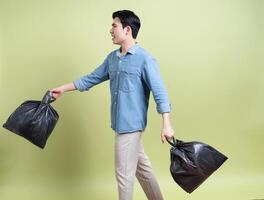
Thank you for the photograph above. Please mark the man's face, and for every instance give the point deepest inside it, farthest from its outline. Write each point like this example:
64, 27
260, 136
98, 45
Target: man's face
118, 33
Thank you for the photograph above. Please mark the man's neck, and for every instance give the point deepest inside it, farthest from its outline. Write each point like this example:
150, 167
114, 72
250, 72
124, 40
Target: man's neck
126, 46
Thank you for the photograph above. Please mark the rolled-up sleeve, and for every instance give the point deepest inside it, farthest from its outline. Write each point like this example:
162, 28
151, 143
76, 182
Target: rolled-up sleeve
153, 79
99, 75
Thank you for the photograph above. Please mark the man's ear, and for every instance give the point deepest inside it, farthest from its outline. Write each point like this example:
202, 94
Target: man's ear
128, 30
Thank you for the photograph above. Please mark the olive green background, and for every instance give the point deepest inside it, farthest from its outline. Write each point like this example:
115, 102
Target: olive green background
211, 59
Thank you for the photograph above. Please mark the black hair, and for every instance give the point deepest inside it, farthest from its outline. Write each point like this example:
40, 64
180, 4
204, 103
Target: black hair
128, 18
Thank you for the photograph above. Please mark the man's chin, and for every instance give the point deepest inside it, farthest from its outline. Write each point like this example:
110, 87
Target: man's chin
115, 42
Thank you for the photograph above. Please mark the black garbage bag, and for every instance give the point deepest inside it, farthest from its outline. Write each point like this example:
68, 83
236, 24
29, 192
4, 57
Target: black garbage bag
193, 162
34, 120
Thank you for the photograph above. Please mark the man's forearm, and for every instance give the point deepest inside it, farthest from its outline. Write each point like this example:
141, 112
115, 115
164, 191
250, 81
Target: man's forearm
167, 132
57, 92
68, 87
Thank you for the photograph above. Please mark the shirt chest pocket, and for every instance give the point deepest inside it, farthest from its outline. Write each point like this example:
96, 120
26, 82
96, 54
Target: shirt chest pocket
129, 79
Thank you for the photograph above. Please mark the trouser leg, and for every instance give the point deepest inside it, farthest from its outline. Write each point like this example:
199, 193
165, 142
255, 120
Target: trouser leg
131, 161
145, 176
126, 158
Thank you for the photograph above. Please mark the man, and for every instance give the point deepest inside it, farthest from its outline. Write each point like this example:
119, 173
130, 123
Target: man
133, 73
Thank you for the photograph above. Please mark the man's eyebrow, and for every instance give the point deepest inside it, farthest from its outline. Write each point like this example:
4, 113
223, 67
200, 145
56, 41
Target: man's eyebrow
113, 24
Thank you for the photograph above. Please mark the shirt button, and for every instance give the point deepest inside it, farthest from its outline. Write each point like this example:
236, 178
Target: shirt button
117, 73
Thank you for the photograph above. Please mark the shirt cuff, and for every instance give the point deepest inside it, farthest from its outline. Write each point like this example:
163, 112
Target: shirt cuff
164, 108
79, 85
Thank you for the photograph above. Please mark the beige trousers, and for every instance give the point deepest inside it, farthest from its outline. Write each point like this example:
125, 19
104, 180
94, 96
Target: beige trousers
131, 162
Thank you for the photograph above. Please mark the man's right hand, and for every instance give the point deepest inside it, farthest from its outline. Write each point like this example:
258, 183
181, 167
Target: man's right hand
57, 92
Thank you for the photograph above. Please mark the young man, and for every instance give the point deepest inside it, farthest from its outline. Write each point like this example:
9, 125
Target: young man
133, 73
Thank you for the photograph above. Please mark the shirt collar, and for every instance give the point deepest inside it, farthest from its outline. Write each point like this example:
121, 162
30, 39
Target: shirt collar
131, 50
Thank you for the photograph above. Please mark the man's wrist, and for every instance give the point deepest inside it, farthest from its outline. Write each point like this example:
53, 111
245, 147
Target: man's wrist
166, 127
166, 120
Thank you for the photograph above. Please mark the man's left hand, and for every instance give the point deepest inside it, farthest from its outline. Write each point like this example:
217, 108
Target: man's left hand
167, 132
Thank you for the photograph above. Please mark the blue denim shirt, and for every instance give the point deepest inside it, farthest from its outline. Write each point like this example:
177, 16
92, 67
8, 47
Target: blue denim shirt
132, 77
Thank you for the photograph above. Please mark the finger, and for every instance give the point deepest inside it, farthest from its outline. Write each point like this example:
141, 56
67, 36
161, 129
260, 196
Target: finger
170, 137
55, 91
162, 138
55, 95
